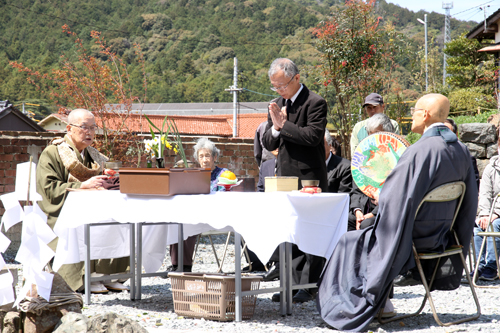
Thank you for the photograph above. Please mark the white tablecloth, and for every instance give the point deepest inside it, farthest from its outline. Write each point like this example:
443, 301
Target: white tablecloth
314, 222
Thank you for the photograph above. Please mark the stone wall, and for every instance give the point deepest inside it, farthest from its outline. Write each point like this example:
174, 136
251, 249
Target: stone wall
481, 139
17, 147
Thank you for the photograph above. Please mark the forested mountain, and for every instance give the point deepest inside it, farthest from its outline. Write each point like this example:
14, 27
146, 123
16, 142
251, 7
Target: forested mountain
188, 45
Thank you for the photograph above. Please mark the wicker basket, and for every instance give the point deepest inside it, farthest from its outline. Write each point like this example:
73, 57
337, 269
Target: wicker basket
211, 296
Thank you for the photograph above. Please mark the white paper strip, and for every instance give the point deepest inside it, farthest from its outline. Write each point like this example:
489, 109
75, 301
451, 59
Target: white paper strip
4, 244
13, 210
22, 177
6, 290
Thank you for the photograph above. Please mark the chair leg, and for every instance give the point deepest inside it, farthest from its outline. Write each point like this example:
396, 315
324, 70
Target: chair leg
196, 246
225, 251
475, 278
215, 253
382, 321
429, 296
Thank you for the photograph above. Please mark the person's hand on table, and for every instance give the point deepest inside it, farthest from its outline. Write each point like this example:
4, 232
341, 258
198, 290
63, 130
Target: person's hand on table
94, 182
278, 116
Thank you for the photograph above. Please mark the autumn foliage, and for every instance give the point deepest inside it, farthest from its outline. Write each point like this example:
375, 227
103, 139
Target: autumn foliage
93, 83
358, 55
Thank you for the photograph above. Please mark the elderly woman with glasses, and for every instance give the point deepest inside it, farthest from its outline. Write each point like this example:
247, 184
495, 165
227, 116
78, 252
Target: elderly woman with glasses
206, 153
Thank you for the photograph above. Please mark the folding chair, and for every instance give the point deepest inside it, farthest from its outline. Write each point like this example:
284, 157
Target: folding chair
485, 235
447, 192
209, 234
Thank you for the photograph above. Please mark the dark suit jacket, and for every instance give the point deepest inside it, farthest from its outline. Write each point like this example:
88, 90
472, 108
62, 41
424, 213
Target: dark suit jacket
266, 170
339, 174
301, 148
361, 201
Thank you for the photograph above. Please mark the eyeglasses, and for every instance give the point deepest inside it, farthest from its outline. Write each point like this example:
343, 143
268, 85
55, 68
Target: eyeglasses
413, 110
282, 88
86, 128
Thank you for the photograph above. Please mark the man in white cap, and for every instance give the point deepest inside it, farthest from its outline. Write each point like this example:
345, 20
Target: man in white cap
374, 103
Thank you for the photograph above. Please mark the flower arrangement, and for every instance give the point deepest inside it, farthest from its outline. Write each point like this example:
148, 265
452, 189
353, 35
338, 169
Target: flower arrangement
157, 144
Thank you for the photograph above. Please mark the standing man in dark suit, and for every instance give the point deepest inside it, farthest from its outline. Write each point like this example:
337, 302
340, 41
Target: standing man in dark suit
296, 126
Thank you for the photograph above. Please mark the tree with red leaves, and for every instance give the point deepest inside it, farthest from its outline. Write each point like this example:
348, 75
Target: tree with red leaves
93, 84
358, 55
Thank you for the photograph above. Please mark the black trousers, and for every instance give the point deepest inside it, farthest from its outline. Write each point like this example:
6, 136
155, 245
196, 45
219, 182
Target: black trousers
306, 268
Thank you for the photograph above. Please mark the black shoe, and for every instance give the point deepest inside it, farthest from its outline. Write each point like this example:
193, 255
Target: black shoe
272, 274
304, 296
173, 268
255, 268
406, 280
277, 297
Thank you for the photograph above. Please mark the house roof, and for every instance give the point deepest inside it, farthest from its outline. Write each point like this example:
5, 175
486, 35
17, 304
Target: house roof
209, 125
193, 109
56, 116
491, 49
478, 32
11, 119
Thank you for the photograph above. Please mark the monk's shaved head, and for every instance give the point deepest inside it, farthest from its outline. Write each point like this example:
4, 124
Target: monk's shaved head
75, 115
430, 109
437, 104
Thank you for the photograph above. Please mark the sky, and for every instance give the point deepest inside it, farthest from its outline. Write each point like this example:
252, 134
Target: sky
462, 9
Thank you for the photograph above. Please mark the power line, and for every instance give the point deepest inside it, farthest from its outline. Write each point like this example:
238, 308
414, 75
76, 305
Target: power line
463, 11
256, 92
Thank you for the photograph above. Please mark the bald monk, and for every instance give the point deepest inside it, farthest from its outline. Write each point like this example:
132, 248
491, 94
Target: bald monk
70, 162
358, 277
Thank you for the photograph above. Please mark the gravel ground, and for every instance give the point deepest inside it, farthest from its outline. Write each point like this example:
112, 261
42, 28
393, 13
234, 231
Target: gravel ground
155, 311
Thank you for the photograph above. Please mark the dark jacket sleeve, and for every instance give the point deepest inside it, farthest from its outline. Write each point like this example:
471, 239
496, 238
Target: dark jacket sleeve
345, 179
358, 199
257, 148
312, 134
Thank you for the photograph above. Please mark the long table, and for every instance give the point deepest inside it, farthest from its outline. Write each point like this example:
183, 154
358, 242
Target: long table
314, 222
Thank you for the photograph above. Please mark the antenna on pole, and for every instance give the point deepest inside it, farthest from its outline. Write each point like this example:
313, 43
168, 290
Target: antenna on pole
447, 34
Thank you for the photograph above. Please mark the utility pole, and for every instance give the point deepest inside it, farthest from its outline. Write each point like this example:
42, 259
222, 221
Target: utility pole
234, 89
484, 10
447, 34
424, 22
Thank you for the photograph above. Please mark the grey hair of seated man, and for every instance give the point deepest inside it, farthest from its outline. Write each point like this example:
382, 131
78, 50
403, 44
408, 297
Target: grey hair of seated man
379, 122
328, 137
204, 143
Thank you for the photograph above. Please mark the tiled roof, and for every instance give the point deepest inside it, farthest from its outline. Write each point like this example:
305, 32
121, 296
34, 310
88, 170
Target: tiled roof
210, 125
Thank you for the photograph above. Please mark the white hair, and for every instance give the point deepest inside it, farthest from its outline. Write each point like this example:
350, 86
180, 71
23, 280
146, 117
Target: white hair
204, 143
377, 120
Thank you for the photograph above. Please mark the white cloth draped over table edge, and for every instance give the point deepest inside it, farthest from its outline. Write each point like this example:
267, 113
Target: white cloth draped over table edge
314, 222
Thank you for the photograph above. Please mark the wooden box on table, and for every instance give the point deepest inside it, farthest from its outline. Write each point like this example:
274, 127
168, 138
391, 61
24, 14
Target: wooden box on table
286, 184
165, 181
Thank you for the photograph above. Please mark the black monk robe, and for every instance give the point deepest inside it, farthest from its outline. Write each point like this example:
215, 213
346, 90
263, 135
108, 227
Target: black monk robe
358, 276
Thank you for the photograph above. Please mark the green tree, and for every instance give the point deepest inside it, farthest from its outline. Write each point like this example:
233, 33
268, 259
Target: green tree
468, 67
358, 56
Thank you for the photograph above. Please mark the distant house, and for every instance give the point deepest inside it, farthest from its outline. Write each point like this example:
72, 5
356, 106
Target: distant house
203, 125
194, 109
11, 119
203, 119
488, 29
56, 122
